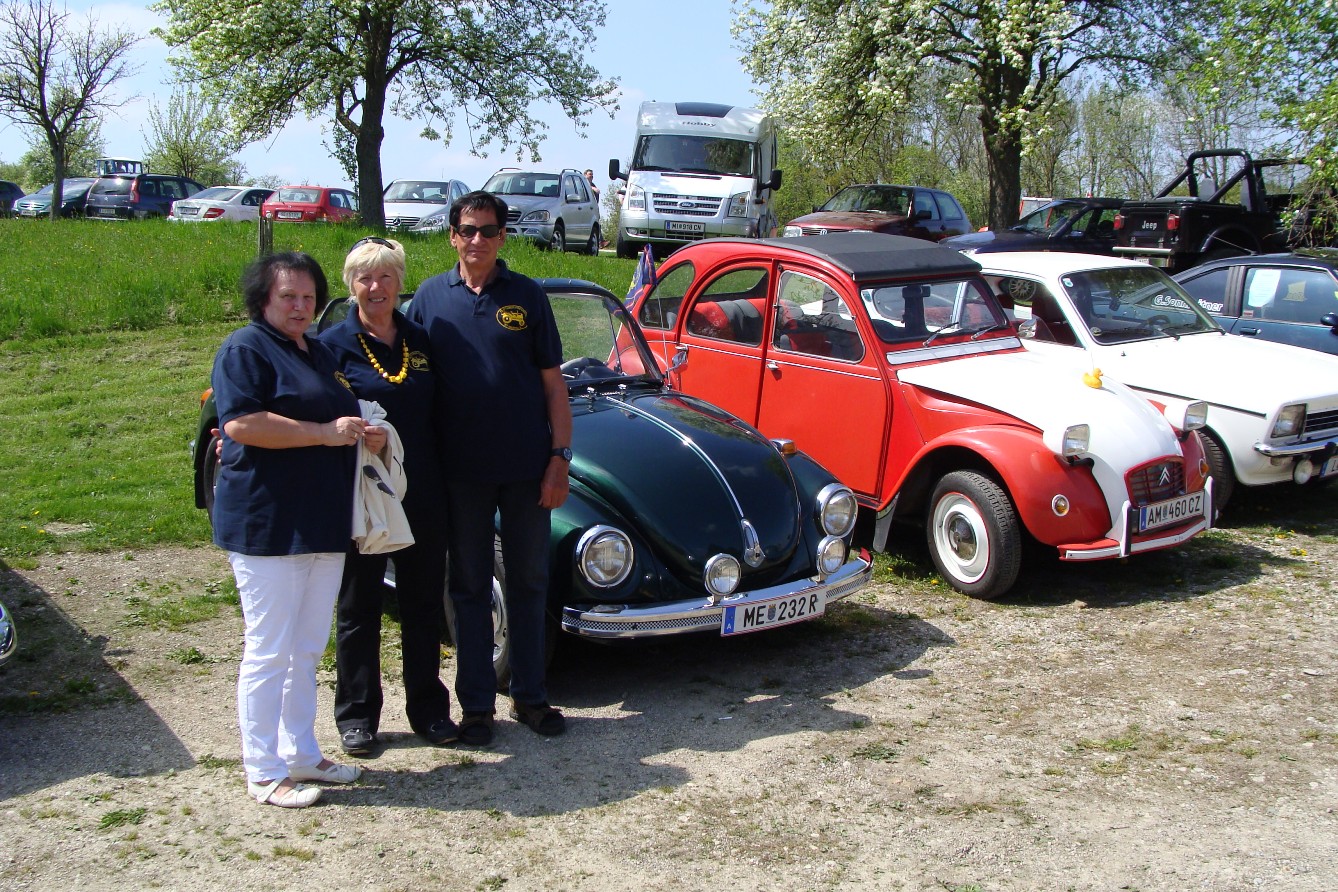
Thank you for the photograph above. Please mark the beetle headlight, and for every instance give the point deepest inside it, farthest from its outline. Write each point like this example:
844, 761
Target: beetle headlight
831, 555
722, 575
1291, 421
604, 555
837, 510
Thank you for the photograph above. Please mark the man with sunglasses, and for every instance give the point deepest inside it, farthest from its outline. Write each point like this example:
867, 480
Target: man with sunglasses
505, 426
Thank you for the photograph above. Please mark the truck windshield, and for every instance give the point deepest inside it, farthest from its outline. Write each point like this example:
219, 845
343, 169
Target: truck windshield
695, 154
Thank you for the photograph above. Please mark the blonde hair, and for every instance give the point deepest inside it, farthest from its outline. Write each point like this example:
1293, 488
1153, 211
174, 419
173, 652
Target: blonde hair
368, 255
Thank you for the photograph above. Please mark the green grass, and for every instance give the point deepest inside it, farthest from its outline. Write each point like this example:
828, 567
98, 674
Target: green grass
107, 335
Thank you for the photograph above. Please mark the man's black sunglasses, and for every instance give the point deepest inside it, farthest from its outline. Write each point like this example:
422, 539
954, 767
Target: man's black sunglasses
466, 231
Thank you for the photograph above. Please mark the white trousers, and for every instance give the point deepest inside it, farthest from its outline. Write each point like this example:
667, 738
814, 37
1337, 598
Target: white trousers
288, 602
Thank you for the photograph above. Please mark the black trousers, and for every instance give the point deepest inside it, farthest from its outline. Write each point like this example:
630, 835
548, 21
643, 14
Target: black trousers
420, 582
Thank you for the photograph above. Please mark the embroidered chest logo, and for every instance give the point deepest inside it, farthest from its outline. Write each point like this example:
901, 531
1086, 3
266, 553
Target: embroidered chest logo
512, 318
418, 361
339, 376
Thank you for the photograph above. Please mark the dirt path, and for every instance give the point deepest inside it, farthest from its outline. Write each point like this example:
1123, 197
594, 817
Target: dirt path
1166, 724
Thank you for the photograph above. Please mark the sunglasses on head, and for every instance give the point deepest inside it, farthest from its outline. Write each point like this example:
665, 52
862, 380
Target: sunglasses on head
467, 231
371, 240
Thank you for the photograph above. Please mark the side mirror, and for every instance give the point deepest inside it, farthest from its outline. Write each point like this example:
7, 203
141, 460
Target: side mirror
680, 359
615, 170
920, 214
1026, 329
775, 181
1329, 319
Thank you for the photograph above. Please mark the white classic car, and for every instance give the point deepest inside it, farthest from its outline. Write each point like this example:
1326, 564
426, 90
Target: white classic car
1273, 408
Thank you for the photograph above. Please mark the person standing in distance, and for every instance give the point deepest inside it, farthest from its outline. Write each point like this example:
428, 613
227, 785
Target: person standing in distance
505, 447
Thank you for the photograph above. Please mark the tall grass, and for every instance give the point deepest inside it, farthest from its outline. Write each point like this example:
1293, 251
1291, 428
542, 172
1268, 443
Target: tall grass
107, 335
82, 276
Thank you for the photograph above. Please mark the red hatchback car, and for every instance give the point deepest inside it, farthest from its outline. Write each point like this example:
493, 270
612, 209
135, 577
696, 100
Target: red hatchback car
890, 361
311, 204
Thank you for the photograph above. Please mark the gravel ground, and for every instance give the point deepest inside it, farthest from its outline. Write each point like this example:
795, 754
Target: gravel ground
1161, 724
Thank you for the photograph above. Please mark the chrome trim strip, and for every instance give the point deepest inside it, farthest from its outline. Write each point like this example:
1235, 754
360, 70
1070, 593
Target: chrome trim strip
953, 351
1295, 449
699, 615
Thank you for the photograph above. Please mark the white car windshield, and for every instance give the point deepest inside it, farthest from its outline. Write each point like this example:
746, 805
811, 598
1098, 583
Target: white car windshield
1134, 303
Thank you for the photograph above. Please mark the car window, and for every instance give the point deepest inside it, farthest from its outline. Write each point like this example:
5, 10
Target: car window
1209, 289
576, 185
732, 308
172, 189
111, 186
913, 311
949, 207
660, 309
812, 318
924, 201
351, 201
1288, 295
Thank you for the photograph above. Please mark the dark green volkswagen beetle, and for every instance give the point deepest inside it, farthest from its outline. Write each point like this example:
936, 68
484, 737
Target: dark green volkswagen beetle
681, 517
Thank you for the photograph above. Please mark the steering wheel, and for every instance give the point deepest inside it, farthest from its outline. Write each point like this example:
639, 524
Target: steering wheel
576, 368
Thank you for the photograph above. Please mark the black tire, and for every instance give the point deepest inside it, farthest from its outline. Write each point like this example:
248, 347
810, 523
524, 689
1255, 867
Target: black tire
592, 246
627, 250
1219, 467
559, 242
974, 535
212, 465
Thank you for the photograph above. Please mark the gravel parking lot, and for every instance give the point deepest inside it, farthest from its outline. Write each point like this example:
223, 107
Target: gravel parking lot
1165, 723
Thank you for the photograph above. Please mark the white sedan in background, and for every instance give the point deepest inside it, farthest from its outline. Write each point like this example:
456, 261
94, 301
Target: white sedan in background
221, 203
1273, 408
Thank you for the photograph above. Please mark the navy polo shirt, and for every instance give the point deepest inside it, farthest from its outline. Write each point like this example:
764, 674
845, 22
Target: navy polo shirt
489, 349
409, 405
281, 501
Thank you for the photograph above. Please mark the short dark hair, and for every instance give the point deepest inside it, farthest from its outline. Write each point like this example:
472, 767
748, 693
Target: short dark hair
258, 279
478, 200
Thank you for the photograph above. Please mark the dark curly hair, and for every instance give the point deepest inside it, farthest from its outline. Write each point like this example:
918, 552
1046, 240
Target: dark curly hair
478, 201
258, 279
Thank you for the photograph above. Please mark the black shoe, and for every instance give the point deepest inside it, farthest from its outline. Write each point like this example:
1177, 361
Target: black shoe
357, 741
440, 732
476, 729
539, 717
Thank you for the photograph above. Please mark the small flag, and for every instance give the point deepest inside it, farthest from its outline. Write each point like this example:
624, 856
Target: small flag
643, 280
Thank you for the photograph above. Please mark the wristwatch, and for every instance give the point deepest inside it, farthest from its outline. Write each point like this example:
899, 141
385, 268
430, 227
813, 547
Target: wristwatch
562, 452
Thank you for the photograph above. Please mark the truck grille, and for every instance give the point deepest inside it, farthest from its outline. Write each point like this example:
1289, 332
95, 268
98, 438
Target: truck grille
685, 205
1319, 422
1156, 482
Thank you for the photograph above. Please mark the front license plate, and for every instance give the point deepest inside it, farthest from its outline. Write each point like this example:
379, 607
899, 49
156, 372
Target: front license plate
1330, 467
768, 614
1161, 514
675, 226
289, 215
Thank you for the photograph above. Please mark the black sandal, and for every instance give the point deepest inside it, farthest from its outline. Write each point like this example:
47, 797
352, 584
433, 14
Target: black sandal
539, 717
476, 729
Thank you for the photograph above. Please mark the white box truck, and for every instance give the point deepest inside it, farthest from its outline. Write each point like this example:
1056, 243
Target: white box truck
699, 169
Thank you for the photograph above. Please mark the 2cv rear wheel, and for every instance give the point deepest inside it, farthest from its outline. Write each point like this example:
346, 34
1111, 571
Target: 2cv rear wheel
974, 535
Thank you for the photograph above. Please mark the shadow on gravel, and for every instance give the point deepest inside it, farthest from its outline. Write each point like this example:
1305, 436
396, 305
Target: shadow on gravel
704, 694
65, 711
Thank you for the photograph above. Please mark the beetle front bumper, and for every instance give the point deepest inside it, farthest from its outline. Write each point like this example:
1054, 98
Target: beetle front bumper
627, 621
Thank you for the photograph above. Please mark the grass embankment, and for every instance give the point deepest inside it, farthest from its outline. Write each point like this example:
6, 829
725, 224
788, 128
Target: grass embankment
107, 334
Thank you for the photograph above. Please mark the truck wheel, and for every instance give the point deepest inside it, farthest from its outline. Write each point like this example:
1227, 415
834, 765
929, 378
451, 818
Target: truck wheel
1219, 467
974, 535
1219, 253
627, 250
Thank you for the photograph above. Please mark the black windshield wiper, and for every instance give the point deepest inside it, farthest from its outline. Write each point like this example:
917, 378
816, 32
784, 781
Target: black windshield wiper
975, 335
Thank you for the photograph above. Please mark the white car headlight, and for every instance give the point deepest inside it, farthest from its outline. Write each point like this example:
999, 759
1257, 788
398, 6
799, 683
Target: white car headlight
1291, 421
837, 510
831, 555
738, 205
1073, 442
636, 198
792, 231
722, 575
435, 222
604, 555
535, 217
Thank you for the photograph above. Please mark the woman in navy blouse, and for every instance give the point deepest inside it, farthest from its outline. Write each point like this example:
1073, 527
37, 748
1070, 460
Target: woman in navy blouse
386, 358
283, 510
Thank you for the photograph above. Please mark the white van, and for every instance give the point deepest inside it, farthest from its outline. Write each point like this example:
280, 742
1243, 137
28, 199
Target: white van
699, 169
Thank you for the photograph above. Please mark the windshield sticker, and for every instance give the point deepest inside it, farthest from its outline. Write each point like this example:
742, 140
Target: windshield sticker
1169, 300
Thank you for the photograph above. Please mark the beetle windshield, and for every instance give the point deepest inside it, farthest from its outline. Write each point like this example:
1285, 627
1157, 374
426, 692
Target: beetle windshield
600, 343
1129, 303
918, 311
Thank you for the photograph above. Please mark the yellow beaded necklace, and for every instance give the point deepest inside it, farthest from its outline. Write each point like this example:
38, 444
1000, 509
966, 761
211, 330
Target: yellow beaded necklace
393, 379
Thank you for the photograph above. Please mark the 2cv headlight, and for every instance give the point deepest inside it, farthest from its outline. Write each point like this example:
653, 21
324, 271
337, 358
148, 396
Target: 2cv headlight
604, 555
837, 510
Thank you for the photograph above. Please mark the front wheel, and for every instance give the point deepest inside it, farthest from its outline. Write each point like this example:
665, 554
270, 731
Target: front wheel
559, 242
625, 249
974, 535
212, 465
1219, 467
592, 247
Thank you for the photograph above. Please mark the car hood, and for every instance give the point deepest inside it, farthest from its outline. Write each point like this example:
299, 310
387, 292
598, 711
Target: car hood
682, 472
852, 220
1224, 369
1052, 395
525, 203
418, 209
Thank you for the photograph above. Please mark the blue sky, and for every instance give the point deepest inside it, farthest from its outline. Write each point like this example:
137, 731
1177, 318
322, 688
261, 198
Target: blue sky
686, 55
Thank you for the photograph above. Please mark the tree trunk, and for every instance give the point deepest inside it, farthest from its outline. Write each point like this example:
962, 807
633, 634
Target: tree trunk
58, 187
1003, 158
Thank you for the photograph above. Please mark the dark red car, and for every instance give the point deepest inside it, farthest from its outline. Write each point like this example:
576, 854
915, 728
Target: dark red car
311, 204
895, 210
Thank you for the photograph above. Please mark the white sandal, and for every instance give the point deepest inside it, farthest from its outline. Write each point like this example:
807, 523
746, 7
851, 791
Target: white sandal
335, 774
296, 796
